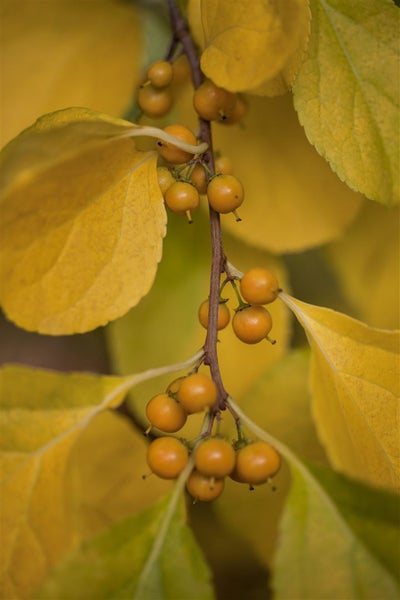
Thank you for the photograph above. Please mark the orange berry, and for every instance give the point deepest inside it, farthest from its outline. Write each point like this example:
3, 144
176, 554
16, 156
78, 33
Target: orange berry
259, 286
223, 318
256, 463
171, 153
167, 457
153, 102
252, 324
204, 488
197, 392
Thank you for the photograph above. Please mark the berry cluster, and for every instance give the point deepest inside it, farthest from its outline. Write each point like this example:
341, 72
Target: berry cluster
252, 322
214, 458
184, 177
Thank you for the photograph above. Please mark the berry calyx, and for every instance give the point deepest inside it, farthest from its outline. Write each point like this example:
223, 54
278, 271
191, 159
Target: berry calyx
165, 413
252, 324
154, 102
215, 457
182, 198
167, 457
225, 193
259, 286
256, 463
213, 103
197, 392
160, 73
171, 153
204, 488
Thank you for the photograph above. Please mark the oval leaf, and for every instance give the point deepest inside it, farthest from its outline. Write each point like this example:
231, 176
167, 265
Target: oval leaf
82, 223
320, 556
323, 552
346, 96
355, 385
250, 42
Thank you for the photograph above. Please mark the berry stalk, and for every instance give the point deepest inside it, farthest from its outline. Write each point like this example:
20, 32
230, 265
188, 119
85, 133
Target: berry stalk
218, 259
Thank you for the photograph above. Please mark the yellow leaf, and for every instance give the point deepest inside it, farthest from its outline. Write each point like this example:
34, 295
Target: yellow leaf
63, 53
355, 384
347, 96
249, 43
368, 263
48, 503
82, 223
293, 200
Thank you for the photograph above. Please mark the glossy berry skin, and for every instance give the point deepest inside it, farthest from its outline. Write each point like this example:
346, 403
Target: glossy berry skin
256, 463
259, 286
252, 324
225, 193
213, 103
167, 457
172, 154
165, 179
165, 413
215, 457
204, 488
223, 318
182, 197
160, 73
154, 102
197, 392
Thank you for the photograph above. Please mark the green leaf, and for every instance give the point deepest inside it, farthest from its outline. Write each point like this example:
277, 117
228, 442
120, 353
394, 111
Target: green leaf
347, 96
321, 552
373, 515
82, 222
151, 555
320, 555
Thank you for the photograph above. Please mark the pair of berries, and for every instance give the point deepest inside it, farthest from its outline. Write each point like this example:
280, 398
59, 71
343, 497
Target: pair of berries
214, 459
168, 411
251, 322
155, 97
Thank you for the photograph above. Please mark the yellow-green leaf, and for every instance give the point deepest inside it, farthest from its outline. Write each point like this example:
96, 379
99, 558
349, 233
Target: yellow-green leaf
346, 93
367, 262
151, 555
319, 555
355, 386
249, 43
62, 53
82, 223
46, 507
323, 552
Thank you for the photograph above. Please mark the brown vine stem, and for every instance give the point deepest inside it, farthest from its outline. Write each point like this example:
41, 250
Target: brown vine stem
182, 34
